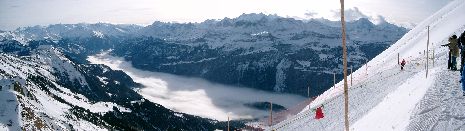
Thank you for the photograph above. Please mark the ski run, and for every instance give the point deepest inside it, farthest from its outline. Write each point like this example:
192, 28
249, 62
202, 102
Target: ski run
382, 97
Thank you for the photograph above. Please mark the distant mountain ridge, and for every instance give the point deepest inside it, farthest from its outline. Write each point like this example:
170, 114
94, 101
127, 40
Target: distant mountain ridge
47, 66
260, 51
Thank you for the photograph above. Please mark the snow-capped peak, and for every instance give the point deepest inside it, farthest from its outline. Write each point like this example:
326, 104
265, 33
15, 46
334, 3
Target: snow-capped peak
255, 17
99, 34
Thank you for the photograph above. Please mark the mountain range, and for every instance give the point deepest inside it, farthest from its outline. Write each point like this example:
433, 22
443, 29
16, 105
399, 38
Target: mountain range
48, 83
260, 51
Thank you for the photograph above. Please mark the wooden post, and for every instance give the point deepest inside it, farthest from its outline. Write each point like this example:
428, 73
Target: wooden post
351, 75
398, 60
344, 56
271, 114
228, 122
334, 79
427, 50
308, 91
366, 67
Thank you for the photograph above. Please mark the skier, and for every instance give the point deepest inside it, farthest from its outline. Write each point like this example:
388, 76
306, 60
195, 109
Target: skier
402, 64
454, 52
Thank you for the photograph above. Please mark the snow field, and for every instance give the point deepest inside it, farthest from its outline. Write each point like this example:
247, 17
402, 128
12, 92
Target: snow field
40, 105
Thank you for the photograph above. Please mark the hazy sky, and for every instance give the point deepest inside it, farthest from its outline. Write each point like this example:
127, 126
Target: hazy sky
19, 13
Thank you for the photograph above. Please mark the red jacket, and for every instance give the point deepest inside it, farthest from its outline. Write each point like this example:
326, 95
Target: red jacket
319, 113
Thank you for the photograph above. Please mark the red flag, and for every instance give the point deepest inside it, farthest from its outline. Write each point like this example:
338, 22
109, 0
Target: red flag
319, 113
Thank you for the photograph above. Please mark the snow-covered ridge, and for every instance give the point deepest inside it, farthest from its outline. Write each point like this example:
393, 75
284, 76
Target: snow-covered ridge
58, 31
230, 33
29, 85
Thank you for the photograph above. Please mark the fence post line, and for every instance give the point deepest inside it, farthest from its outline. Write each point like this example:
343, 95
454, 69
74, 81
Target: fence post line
228, 122
271, 115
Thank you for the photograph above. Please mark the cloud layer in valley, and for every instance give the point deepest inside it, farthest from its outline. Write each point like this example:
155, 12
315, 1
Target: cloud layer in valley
197, 96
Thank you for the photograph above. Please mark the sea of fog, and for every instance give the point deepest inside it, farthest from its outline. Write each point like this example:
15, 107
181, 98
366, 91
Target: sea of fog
197, 96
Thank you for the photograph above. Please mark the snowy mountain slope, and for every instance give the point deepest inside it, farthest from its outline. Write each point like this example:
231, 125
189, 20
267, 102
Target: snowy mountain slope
44, 90
384, 98
39, 108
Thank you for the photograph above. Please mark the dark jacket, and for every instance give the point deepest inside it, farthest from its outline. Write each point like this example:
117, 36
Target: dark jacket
454, 47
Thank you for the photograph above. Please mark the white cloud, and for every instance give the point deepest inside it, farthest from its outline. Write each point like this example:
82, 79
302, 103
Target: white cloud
310, 14
351, 14
354, 13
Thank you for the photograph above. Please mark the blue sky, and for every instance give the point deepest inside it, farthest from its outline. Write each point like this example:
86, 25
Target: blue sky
20, 13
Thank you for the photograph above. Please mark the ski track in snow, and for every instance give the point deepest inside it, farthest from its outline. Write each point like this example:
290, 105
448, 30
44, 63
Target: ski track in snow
443, 106
394, 111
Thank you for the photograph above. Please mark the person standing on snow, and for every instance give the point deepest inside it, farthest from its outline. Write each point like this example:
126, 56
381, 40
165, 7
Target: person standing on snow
454, 52
449, 63
402, 64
